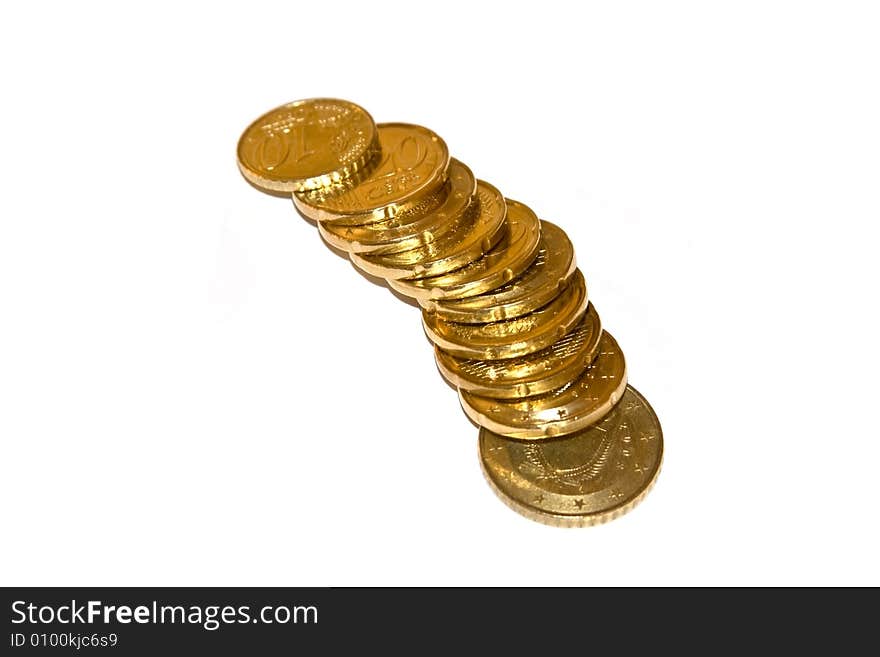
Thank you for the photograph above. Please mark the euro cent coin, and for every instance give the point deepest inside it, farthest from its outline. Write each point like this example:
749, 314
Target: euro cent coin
580, 403
412, 165
544, 279
527, 376
307, 145
511, 338
472, 234
586, 478
430, 220
513, 253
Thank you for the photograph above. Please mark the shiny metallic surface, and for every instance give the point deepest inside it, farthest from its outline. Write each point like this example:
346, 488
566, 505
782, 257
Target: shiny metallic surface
589, 477
412, 165
527, 376
503, 262
433, 218
583, 401
563, 439
511, 338
308, 144
544, 279
479, 228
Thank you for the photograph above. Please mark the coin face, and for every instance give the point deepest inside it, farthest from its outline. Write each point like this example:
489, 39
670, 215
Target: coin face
579, 403
542, 281
473, 234
411, 166
503, 262
535, 374
511, 338
308, 144
409, 230
583, 479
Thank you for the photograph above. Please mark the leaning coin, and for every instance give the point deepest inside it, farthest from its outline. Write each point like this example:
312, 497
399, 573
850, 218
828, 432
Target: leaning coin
586, 478
412, 165
409, 230
474, 233
569, 408
307, 144
535, 374
544, 279
503, 262
511, 338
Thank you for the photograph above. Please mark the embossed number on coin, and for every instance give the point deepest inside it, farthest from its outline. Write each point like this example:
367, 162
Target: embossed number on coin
307, 144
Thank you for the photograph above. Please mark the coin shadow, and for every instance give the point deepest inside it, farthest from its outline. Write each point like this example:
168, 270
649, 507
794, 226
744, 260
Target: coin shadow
375, 280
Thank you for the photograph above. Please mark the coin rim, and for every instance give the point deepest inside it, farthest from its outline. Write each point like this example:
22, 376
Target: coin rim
548, 430
572, 520
471, 287
371, 262
516, 347
333, 233
388, 210
529, 387
510, 309
318, 181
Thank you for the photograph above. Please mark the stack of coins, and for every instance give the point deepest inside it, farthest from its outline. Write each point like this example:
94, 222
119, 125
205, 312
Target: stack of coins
563, 439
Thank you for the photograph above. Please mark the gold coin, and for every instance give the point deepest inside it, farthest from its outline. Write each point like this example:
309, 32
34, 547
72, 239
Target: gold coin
476, 231
499, 265
544, 280
511, 338
577, 404
412, 165
409, 230
587, 478
535, 374
307, 144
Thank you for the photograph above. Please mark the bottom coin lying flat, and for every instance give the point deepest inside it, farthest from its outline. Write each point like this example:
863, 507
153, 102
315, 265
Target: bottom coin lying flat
585, 478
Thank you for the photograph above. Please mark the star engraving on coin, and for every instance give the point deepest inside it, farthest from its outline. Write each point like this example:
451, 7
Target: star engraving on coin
563, 439
585, 400
581, 479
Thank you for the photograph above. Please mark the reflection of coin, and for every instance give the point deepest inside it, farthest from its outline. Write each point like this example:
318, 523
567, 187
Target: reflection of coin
587, 478
530, 375
511, 338
474, 233
503, 262
412, 165
412, 229
577, 404
536, 287
306, 145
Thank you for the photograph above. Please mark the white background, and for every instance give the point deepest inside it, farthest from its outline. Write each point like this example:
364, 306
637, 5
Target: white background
195, 390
